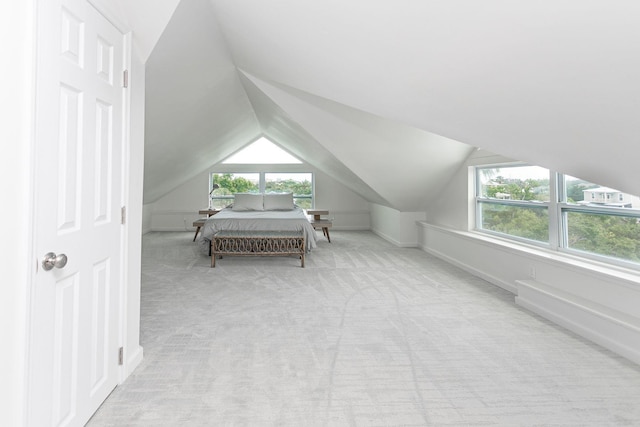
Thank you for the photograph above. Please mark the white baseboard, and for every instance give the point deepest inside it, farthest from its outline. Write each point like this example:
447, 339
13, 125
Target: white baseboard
132, 361
188, 230
470, 269
595, 301
193, 229
394, 241
350, 228
613, 330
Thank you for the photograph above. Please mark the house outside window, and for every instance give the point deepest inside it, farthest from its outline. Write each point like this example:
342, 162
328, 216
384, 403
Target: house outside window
603, 222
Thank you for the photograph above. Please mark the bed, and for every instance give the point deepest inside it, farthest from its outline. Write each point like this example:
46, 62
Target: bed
260, 212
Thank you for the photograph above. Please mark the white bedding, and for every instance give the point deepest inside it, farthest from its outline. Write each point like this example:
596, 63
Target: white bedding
228, 219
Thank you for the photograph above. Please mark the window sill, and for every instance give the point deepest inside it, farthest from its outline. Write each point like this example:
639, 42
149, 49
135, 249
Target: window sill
566, 260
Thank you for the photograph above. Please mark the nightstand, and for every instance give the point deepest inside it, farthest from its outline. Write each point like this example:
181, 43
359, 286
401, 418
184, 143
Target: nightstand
199, 223
318, 222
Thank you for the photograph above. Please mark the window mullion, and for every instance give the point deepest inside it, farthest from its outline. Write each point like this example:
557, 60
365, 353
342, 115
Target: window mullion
556, 194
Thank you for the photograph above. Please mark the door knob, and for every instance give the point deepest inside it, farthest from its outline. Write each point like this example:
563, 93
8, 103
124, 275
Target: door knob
52, 260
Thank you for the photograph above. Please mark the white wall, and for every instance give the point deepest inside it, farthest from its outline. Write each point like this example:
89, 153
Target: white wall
348, 210
598, 302
397, 227
177, 210
146, 217
595, 300
454, 206
17, 63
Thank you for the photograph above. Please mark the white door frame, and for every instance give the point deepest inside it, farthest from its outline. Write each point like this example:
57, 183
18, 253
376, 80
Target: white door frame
132, 356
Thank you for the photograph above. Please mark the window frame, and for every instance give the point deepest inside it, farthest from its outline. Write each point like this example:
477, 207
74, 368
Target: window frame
479, 200
261, 182
557, 209
263, 185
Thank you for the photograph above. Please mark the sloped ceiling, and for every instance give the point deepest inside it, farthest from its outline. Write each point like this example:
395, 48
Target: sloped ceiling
398, 161
197, 112
379, 93
146, 18
277, 125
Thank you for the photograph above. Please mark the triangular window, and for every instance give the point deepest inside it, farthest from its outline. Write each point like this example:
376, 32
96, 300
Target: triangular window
262, 151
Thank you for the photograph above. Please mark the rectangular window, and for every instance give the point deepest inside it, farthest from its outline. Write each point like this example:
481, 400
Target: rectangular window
513, 200
599, 220
527, 222
224, 185
613, 236
562, 212
300, 184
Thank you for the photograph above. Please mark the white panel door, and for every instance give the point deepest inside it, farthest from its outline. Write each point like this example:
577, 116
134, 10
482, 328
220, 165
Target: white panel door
74, 337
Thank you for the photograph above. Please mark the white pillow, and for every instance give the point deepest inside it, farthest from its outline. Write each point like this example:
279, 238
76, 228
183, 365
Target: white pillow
247, 202
278, 201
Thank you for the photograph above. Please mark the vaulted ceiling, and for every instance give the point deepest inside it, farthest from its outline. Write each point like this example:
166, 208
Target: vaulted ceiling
390, 98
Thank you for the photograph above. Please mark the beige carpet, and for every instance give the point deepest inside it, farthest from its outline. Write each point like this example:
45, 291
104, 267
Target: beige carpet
367, 334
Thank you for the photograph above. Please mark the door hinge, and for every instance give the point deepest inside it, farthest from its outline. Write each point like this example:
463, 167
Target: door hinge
125, 79
121, 356
123, 215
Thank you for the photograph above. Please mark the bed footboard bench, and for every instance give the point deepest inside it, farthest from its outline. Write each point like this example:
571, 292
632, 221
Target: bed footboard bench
258, 243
